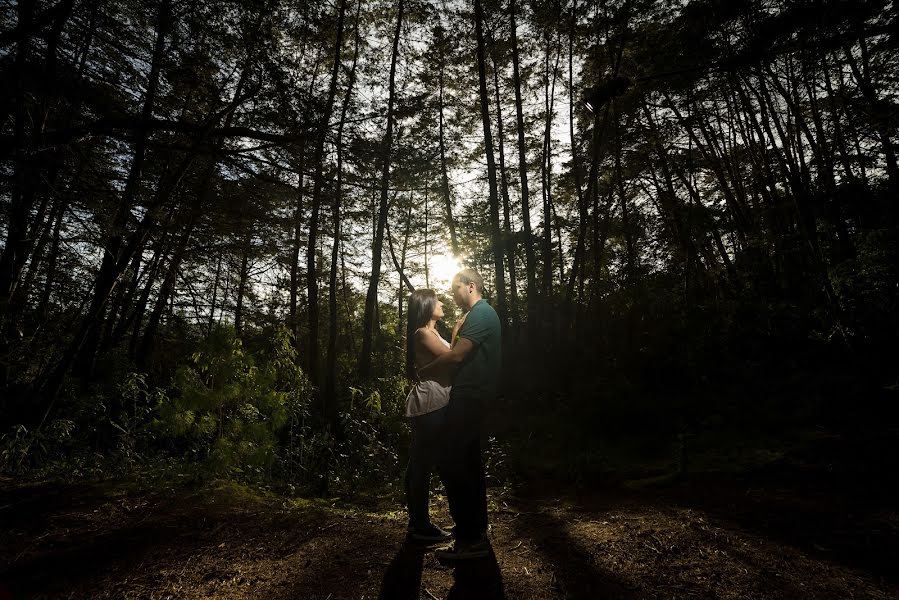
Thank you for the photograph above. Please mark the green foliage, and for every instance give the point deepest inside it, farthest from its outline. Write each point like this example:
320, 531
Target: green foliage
374, 429
133, 425
228, 405
866, 283
22, 449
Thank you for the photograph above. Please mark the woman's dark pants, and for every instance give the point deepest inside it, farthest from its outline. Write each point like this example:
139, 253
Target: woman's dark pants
427, 433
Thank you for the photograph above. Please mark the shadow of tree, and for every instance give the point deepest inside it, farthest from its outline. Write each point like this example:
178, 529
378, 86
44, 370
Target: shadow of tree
577, 574
73, 552
840, 517
79, 560
402, 579
478, 579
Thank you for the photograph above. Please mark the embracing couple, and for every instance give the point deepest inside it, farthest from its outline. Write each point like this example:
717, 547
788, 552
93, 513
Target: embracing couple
452, 382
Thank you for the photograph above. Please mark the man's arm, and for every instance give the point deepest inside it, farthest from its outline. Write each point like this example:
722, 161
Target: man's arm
449, 361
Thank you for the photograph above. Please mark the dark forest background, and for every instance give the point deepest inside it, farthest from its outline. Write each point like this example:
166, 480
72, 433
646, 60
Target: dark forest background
212, 214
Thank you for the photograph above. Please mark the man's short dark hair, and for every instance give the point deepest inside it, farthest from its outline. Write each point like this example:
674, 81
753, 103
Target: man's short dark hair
467, 276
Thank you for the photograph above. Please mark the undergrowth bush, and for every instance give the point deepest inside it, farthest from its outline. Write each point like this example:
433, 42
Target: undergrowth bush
246, 412
373, 431
229, 407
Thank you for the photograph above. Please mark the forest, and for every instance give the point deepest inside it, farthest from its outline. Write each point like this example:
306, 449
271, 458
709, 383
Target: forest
212, 215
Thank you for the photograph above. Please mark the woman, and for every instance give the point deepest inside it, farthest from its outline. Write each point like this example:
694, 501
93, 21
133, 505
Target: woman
426, 407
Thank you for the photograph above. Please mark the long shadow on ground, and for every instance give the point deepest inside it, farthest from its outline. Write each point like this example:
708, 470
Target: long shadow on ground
402, 579
27, 508
63, 569
87, 545
477, 579
835, 501
577, 574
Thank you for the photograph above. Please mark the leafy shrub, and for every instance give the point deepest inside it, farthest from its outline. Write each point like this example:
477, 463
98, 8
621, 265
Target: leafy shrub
373, 429
23, 449
228, 405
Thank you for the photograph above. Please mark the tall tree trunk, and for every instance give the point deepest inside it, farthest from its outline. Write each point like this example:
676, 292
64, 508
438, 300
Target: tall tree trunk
863, 79
110, 267
166, 291
630, 274
833, 107
716, 165
508, 246
242, 277
425, 245
329, 398
52, 261
17, 226
143, 300
202, 197
444, 171
530, 259
20, 239
495, 235
630, 251
293, 315
346, 304
371, 297
576, 167
311, 269
132, 312
30, 249
396, 263
215, 289
401, 323
546, 168
38, 254
294, 319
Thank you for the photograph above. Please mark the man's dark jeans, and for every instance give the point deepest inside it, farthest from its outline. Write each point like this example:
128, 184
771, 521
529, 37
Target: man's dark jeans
427, 436
462, 470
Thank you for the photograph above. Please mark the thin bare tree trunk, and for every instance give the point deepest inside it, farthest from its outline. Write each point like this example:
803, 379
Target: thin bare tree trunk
329, 398
546, 168
311, 269
110, 267
242, 277
215, 289
401, 323
444, 173
576, 167
504, 188
530, 259
371, 297
495, 235
293, 317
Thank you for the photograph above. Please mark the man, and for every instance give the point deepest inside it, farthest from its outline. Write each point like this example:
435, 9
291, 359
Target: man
475, 357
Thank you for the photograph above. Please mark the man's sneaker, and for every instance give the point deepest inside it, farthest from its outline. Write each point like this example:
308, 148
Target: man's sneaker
464, 550
431, 534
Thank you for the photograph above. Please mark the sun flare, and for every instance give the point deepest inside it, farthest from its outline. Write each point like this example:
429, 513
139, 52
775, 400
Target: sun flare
441, 268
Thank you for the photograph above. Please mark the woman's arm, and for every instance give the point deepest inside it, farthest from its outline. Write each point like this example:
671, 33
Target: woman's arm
428, 340
456, 328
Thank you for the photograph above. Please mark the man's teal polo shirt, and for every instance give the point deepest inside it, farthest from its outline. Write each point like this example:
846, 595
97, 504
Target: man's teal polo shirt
478, 376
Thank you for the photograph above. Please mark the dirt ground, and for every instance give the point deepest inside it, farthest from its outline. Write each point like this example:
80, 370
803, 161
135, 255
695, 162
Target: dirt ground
775, 536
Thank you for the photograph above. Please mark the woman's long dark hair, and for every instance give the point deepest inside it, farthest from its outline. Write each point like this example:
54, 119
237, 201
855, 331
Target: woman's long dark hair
421, 308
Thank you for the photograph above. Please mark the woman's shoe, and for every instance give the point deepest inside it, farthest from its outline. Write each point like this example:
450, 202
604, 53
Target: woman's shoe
430, 534
479, 548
